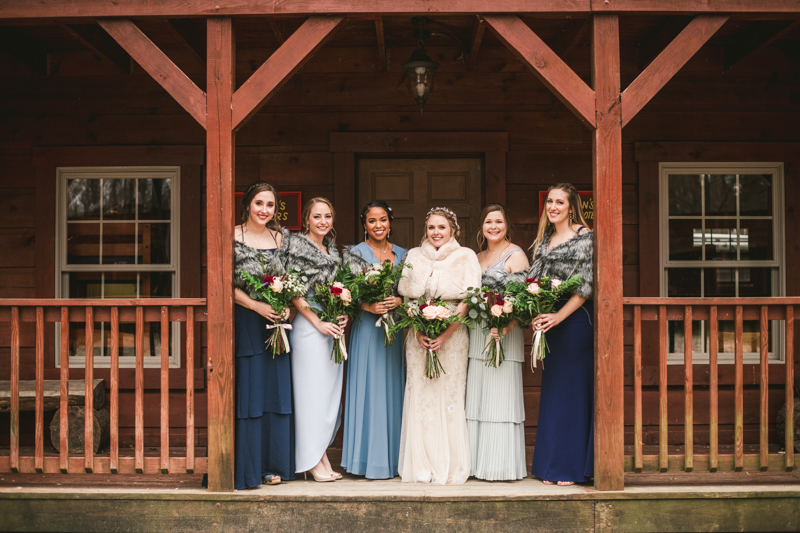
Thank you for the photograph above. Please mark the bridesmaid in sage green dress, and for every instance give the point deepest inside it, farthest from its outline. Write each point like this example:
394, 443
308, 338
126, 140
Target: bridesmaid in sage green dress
495, 407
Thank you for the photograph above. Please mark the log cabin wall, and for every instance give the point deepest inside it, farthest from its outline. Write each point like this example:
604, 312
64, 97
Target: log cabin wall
87, 101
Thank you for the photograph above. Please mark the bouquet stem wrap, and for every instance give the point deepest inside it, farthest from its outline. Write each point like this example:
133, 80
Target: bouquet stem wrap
539, 349
279, 341
433, 367
339, 354
495, 355
387, 323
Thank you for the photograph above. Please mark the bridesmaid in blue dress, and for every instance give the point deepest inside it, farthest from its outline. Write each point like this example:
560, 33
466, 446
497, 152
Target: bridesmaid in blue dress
564, 451
264, 426
373, 408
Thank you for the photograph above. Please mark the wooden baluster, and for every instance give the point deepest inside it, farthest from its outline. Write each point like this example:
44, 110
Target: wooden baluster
190, 390
739, 394
764, 388
637, 388
88, 401
789, 442
688, 392
713, 415
663, 434
164, 389
64, 420
114, 371
139, 393
14, 437
39, 453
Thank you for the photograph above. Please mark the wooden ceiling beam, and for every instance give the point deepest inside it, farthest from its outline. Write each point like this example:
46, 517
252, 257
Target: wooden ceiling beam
282, 64
759, 35
18, 46
696, 6
477, 37
379, 34
192, 36
101, 43
548, 67
158, 65
668, 63
572, 33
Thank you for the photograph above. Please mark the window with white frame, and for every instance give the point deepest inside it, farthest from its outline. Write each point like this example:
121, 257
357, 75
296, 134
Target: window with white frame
722, 236
117, 237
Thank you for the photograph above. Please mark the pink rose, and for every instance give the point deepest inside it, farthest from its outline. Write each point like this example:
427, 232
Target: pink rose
430, 312
533, 288
338, 284
497, 310
346, 296
276, 285
442, 312
507, 307
555, 282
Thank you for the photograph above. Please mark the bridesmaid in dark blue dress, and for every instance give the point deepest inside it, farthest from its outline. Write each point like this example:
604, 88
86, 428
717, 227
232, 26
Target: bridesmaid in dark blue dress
264, 432
564, 451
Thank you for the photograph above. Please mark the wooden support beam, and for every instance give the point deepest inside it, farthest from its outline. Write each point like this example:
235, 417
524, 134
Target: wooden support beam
668, 63
607, 182
759, 35
573, 31
696, 6
548, 67
220, 142
191, 33
477, 37
158, 65
282, 64
18, 46
101, 43
382, 63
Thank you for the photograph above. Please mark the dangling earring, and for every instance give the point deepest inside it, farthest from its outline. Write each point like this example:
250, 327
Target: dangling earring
570, 217
365, 235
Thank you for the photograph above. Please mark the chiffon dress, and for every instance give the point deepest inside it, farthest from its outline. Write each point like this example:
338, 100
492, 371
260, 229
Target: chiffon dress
264, 426
434, 444
495, 406
317, 384
374, 394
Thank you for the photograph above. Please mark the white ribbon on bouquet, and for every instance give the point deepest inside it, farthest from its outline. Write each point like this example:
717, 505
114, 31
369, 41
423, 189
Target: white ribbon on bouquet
282, 329
342, 346
538, 338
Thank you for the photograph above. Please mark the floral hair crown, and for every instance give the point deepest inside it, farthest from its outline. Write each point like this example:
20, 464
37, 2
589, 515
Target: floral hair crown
445, 210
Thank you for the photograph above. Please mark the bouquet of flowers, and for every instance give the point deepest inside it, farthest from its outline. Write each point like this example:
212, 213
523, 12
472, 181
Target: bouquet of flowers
375, 284
338, 298
431, 318
496, 311
278, 292
537, 297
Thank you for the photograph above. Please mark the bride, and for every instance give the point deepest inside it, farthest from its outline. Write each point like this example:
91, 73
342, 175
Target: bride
434, 443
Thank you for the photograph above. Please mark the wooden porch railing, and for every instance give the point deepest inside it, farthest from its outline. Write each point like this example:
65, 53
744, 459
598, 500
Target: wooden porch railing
687, 310
89, 311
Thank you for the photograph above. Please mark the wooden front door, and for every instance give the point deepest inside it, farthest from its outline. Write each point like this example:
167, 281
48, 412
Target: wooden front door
412, 186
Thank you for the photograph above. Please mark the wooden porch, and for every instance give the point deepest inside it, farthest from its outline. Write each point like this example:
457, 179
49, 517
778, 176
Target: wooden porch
684, 421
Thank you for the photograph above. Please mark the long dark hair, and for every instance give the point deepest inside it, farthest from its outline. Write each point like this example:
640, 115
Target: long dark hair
250, 193
491, 208
380, 204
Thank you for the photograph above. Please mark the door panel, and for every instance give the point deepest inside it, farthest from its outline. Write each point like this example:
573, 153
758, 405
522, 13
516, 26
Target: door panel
413, 186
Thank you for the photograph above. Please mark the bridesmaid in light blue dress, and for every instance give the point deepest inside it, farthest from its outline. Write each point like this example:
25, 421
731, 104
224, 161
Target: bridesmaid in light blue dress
373, 409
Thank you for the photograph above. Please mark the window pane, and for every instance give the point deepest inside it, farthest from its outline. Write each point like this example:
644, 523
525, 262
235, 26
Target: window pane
154, 199
721, 240
755, 239
751, 337
84, 285
77, 339
156, 284
683, 282
119, 244
119, 199
684, 242
675, 334
685, 195
83, 244
720, 194
83, 199
154, 244
755, 282
719, 282
120, 285
755, 194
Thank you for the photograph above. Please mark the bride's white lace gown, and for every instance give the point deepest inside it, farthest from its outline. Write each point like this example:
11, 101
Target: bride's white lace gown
434, 442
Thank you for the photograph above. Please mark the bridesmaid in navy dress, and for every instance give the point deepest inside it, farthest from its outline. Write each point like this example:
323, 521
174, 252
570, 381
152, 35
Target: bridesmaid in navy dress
264, 427
564, 451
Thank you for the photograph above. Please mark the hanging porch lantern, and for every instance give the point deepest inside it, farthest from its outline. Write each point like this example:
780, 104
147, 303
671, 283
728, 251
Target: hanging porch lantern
419, 70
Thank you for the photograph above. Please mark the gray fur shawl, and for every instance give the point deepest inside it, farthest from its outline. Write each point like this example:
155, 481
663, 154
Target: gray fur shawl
300, 255
568, 259
256, 263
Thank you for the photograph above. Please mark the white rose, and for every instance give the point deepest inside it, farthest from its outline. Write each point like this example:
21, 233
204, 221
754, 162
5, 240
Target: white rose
533, 288
442, 312
338, 285
430, 312
497, 310
555, 282
346, 296
277, 285
507, 307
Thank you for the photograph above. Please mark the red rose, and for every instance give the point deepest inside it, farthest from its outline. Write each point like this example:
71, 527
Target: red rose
268, 279
423, 306
531, 280
336, 290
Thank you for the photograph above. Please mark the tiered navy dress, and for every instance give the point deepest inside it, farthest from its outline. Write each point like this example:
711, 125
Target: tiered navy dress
264, 440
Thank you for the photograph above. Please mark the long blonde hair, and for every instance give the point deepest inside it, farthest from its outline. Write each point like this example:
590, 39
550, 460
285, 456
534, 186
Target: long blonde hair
544, 221
307, 211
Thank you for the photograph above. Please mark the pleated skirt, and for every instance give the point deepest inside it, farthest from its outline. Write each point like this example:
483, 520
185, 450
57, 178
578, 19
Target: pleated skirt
495, 410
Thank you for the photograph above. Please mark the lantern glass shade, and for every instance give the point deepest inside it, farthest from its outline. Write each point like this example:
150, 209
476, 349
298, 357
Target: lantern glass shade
419, 72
